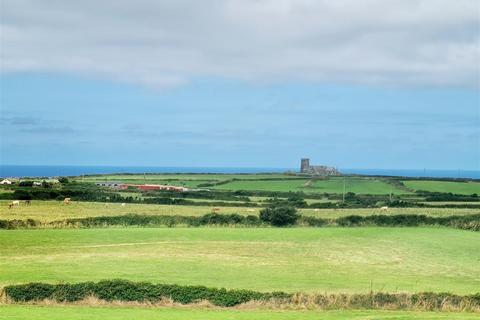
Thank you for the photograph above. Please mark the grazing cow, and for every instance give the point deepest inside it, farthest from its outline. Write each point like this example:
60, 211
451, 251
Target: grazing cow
66, 201
384, 208
123, 204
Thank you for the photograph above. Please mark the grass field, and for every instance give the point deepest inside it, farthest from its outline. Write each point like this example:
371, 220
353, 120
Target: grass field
332, 185
17, 312
444, 186
190, 180
182, 176
264, 259
254, 182
56, 210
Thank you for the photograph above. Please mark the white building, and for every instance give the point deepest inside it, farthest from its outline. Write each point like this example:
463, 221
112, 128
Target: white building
6, 181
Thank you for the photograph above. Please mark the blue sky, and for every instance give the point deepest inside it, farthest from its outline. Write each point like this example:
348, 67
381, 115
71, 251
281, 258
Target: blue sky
58, 119
241, 83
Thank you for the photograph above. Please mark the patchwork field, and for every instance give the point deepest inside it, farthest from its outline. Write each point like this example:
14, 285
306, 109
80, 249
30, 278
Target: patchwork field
261, 182
56, 210
332, 185
295, 259
444, 186
181, 176
17, 312
263, 259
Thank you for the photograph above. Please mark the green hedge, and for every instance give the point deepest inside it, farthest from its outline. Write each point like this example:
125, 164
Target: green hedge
468, 222
122, 290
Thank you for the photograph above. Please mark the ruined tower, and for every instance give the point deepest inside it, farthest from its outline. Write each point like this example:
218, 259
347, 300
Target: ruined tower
305, 164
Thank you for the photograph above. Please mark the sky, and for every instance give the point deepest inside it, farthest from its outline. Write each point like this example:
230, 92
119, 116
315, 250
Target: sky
352, 84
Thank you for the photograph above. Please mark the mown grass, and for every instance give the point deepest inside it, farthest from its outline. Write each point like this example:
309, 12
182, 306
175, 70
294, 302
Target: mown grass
444, 186
56, 210
331, 185
262, 259
17, 312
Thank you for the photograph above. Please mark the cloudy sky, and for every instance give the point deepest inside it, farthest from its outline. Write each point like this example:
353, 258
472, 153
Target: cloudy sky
355, 84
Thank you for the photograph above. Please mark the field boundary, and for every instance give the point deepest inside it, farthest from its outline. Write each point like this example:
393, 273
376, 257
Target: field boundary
143, 293
466, 222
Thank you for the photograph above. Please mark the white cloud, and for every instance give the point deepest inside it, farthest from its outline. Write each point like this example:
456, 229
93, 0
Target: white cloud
164, 43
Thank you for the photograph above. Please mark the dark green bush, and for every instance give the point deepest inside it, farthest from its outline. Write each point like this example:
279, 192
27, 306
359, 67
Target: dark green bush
469, 222
279, 216
122, 290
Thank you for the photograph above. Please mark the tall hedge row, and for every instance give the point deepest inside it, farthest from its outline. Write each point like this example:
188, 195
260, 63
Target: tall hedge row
468, 222
123, 290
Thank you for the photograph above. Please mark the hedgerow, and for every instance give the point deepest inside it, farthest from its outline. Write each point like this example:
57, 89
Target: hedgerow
144, 292
123, 290
468, 222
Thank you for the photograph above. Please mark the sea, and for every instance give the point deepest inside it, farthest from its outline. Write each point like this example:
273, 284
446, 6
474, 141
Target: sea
18, 171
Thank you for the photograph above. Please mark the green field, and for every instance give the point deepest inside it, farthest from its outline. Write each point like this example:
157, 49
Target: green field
17, 312
331, 185
261, 182
56, 210
264, 259
182, 176
444, 186
187, 180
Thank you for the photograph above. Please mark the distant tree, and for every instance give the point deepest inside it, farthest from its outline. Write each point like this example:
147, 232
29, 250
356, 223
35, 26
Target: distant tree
279, 216
45, 184
63, 180
25, 183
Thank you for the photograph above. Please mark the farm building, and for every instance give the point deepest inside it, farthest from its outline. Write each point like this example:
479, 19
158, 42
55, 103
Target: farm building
111, 184
149, 187
6, 181
305, 167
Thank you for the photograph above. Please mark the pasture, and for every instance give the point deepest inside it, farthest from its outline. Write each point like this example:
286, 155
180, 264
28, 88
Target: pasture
56, 210
77, 312
466, 188
315, 260
260, 182
332, 185
185, 176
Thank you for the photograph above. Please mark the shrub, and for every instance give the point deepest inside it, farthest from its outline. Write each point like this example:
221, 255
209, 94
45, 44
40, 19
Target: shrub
63, 180
279, 216
122, 290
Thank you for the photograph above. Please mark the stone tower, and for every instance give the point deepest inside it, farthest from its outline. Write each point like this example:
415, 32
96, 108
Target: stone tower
305, 164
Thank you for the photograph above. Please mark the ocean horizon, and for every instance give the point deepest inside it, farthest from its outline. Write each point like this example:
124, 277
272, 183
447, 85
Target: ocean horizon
19, 171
